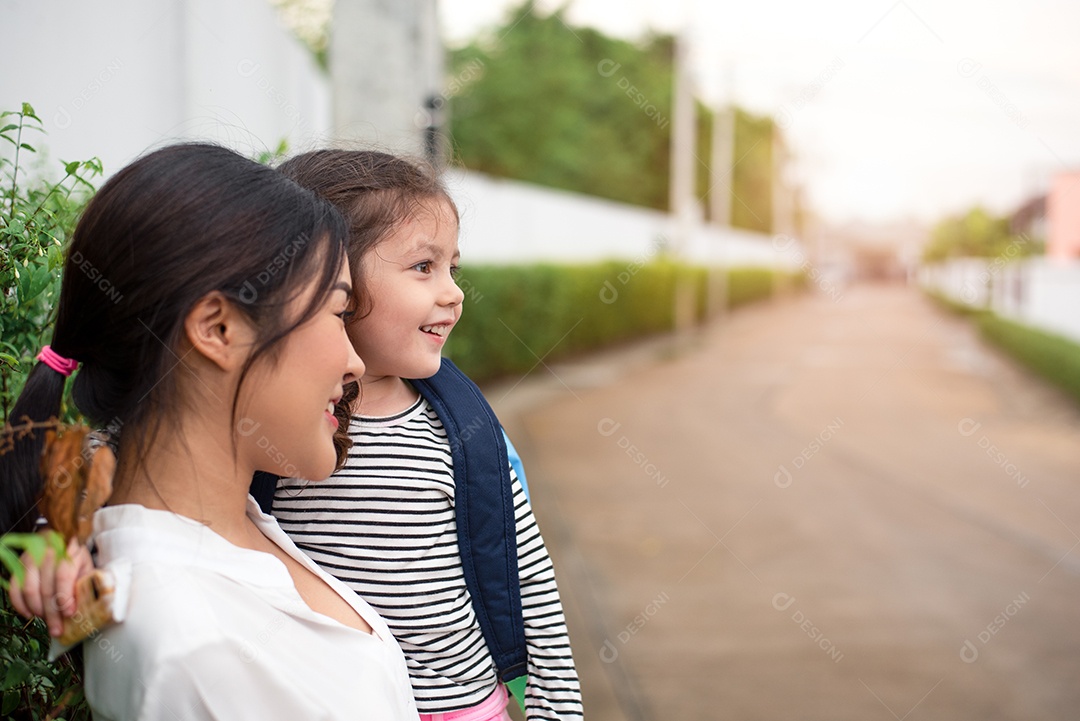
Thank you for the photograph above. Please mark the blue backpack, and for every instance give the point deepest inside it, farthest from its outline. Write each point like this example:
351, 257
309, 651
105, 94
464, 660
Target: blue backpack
484, 508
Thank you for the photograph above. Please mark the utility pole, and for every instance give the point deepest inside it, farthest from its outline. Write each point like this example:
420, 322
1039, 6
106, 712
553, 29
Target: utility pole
721, 188
781, 201
681, 189
387, 69
781, 206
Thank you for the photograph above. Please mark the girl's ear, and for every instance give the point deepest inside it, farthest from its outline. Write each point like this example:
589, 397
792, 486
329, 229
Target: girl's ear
219, 332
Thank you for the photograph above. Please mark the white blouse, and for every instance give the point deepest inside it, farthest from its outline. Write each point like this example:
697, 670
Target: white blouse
214, 631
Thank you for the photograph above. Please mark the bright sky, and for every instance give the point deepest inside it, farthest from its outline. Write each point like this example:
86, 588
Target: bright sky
894, 109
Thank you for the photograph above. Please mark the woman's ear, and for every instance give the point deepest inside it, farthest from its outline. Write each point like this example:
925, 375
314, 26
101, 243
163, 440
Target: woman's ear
219, 332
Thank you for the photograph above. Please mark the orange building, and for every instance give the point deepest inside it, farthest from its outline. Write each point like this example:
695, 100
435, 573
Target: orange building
1063, 216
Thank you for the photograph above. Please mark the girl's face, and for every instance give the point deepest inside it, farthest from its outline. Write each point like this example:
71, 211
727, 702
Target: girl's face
415, 302
288, 423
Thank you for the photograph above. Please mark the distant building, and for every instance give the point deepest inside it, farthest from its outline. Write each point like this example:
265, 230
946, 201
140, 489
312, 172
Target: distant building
1063, 217
1030, 219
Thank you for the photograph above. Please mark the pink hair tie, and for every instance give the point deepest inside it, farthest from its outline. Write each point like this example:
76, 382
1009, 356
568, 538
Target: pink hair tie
57, 362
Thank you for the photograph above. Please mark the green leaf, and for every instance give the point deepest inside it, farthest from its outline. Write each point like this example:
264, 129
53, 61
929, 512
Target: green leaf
27, 146
11, 702
9, 359
15, 227
33, 543
10, 560
28, 110
54, 540
40, 279
72, 167
26, 279
8, 127
16, 675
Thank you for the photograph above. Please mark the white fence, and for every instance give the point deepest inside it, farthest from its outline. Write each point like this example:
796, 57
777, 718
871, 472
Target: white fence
507, 221
1038, 292
114, 79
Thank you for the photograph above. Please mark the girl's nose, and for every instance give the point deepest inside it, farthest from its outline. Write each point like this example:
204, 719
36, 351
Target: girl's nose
452, 294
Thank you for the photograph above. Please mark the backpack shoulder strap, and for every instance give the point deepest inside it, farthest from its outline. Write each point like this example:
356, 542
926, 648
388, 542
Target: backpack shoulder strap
484, 503
263, 485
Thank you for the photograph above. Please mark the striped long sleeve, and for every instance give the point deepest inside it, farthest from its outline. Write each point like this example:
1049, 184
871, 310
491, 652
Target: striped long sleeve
385, 525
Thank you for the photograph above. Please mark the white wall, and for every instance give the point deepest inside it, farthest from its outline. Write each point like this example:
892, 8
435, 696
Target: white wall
1039, 292
114, 79
508, 221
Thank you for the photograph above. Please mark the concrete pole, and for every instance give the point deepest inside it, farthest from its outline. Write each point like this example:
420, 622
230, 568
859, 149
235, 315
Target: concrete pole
722, 170
722, 175
681, 191
779, 193
387, 70
781, 205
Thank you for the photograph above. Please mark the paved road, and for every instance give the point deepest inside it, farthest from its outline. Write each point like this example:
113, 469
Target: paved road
818, 509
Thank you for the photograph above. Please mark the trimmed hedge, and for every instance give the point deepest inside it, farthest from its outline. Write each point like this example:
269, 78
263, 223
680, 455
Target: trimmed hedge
516, 315
951, 305
1053, 357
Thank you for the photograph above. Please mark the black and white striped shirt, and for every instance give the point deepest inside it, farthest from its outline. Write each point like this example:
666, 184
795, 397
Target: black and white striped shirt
385, 525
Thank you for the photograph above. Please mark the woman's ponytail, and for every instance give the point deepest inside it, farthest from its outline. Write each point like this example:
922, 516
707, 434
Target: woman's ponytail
20, 448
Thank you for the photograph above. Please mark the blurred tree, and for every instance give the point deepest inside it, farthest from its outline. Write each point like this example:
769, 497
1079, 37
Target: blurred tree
310, 21
979, 234
572, 108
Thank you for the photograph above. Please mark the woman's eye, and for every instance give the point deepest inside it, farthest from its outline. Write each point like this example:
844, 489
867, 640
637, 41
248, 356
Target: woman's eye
345, 315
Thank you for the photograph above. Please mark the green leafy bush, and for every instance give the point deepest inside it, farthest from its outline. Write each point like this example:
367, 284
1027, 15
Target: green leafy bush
1053, 357
956, 307
521, 315
36, 218
746, 285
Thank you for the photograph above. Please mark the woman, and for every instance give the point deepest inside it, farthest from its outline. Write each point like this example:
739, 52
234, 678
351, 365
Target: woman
224, 354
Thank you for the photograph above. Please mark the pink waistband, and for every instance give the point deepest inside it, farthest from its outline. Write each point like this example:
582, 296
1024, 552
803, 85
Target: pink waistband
493, 707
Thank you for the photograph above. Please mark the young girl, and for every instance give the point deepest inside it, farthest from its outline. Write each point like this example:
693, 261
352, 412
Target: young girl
385, 523
228, 341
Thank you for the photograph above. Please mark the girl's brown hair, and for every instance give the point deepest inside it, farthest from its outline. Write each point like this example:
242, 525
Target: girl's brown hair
375, 191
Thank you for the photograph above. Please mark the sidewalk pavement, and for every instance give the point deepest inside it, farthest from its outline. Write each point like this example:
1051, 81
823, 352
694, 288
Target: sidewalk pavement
814, 509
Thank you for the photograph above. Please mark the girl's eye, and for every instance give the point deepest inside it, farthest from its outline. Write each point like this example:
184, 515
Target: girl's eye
345, 315
455, 271
423, 266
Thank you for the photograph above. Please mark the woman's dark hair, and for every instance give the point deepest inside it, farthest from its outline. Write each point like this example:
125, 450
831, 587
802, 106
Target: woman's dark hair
171, 227
375, 191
